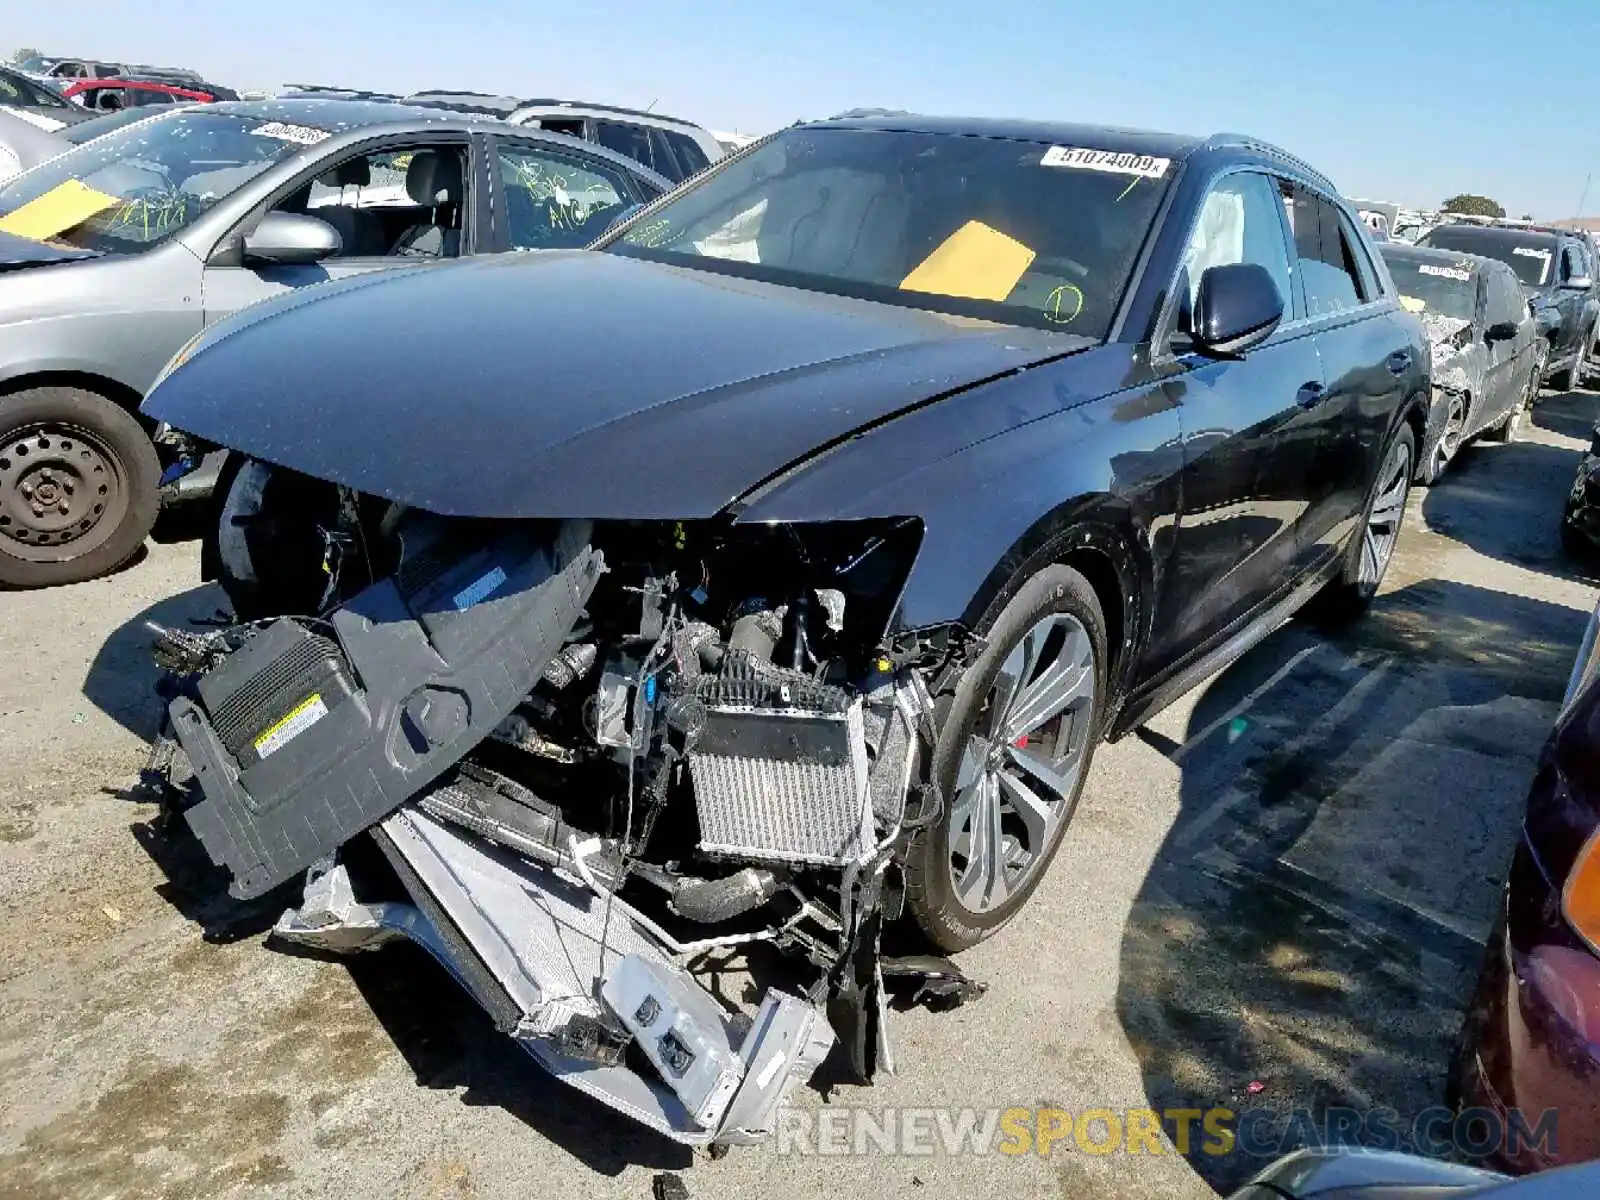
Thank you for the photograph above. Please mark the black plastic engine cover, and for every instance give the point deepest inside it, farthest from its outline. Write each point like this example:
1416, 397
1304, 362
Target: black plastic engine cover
435, 669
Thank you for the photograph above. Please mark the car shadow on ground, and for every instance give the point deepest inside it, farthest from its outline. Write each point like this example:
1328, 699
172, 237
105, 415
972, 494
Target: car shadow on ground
1309, 933
1506, 501
1571, 414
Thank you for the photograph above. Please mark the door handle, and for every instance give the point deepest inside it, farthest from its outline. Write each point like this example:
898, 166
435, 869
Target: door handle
1400, 362
1310, 394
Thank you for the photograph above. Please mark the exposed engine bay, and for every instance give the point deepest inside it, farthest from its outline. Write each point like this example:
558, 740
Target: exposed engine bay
589, 753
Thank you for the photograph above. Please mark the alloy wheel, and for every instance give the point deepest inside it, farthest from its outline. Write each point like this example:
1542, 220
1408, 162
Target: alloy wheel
1383, 519
1019, 771
1450, 437
62, 492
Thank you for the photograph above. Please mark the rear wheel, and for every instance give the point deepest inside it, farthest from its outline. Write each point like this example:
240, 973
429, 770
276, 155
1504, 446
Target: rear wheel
78, 486
1367, 558
1013, 753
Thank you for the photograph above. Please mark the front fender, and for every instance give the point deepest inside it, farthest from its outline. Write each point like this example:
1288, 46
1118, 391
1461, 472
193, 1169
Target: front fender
1100, 474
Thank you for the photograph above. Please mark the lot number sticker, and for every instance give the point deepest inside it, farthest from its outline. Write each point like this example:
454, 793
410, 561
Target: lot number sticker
301, 135
1111, 161
1445, 272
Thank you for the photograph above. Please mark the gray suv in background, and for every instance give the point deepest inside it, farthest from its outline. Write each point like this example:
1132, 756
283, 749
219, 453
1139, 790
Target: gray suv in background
118, 252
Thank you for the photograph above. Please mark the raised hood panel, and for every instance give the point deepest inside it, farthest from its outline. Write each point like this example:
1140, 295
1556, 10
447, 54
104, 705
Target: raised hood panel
568, 384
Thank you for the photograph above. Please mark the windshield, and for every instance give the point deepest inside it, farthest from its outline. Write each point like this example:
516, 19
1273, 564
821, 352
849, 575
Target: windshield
137, 186
1529, 255
1014, 231
1444, 288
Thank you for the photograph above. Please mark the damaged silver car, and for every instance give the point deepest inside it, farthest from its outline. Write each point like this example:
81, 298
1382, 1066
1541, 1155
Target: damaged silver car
1487, 354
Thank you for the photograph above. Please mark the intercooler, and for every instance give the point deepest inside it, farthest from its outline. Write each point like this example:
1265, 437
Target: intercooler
780, 768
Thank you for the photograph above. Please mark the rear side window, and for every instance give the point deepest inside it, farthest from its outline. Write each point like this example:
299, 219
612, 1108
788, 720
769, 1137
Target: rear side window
666, 162
1324, 255
631, 140
687, 151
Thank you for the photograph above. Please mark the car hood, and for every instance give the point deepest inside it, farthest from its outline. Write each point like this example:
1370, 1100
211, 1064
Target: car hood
569, 383
17, 252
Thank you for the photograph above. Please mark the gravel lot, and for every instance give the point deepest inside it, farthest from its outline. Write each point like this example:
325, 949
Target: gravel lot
1285, 880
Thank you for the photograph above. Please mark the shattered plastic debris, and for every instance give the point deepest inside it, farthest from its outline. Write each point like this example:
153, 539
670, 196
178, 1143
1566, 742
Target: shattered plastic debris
1255, 1088
667, 1186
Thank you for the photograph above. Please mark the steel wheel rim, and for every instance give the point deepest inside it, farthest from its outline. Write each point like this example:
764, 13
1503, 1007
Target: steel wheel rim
1019, 773
1383, 519
63, 492
1450, 438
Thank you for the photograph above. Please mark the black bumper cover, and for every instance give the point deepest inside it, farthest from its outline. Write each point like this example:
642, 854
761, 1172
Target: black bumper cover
437, 667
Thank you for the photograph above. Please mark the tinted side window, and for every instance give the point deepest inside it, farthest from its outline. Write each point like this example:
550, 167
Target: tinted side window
1573, 261
1506, 301
1327, 267
666, 161
554, 201
632, 140
690, 157
1356, 248
1238, 223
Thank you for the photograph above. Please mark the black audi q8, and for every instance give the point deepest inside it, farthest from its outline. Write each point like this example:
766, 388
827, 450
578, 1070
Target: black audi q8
803, 536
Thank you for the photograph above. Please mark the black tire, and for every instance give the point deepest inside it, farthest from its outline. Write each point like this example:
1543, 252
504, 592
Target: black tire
1347, 596
1571, 376
931, 898
96, 471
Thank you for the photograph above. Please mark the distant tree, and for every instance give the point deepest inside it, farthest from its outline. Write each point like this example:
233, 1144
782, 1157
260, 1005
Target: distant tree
25, 53
1473, 206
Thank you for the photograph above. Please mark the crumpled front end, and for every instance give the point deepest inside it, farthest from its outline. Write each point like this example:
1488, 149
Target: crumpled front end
591, 754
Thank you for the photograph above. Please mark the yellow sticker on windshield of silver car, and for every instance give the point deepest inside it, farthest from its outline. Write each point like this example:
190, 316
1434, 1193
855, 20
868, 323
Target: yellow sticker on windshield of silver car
976, 262
58, 210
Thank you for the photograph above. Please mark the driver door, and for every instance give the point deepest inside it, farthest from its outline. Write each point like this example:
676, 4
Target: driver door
370, 196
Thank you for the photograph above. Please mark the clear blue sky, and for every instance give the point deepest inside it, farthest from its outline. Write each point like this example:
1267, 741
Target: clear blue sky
1409, 100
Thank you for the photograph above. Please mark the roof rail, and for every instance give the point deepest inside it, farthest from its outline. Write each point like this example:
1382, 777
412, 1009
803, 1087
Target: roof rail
494, 103
1244, 141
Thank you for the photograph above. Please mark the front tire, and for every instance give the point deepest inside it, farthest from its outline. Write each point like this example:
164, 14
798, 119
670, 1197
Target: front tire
1014, 749
78, 486
1349, 594
1448, 442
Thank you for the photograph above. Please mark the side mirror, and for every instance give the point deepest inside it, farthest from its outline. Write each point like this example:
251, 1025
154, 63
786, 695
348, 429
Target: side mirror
1579, 283
286, 238
1237, 308
1500, 331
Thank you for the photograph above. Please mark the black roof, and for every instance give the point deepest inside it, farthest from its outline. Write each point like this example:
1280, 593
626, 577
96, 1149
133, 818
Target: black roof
1497, 235
1461, 260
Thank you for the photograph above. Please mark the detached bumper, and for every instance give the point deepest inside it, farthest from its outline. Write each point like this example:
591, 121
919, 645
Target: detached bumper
574, 978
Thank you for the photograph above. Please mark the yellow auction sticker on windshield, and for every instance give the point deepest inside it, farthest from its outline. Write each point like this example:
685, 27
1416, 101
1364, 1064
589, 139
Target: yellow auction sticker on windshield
976, 262
58, 210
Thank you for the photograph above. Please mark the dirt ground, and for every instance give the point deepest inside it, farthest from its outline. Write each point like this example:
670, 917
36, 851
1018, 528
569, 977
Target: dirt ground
1284, 881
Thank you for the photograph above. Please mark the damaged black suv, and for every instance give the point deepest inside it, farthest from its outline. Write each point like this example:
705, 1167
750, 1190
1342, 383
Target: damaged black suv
771, 570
